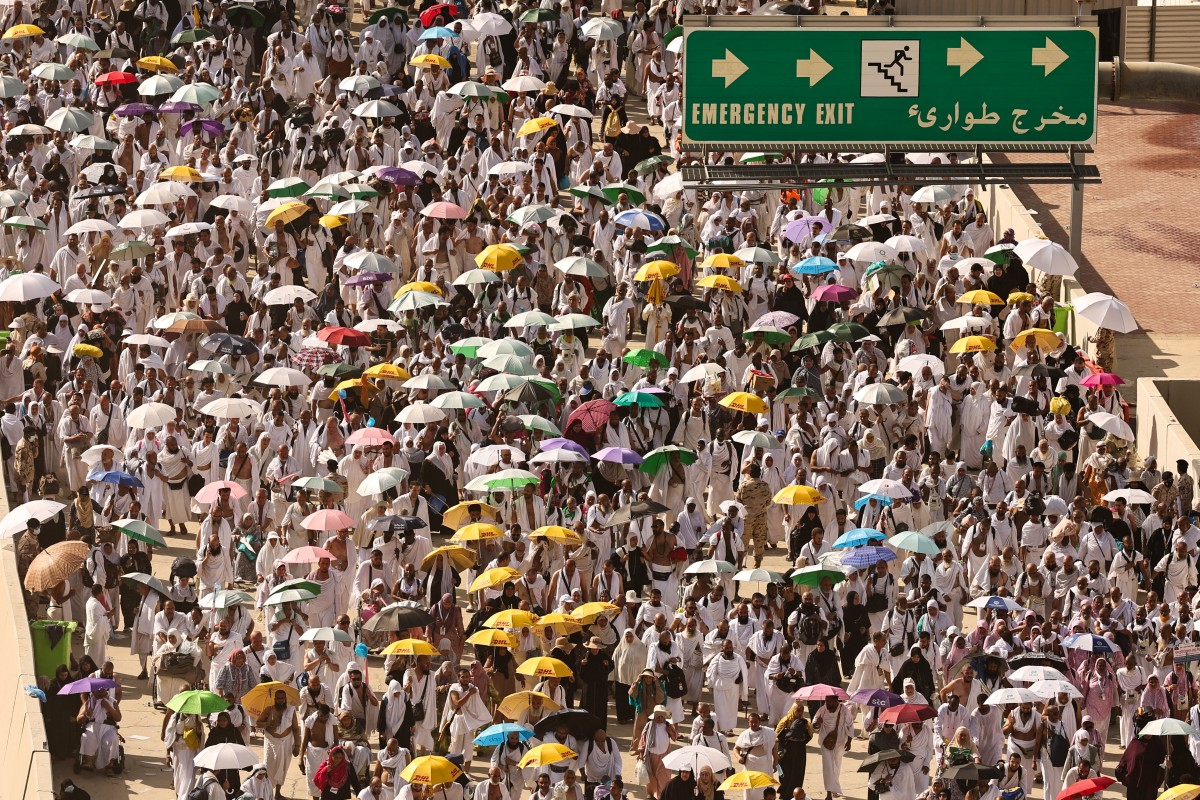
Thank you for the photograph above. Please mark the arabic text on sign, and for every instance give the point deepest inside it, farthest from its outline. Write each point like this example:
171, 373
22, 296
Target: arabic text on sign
1021, 124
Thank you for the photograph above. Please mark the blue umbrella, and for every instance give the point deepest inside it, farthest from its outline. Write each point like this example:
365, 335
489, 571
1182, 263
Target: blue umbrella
869, 556
862, 501
439, 32
814, 265
858, 536
116, 477
1090, 643
496, 734
636, 218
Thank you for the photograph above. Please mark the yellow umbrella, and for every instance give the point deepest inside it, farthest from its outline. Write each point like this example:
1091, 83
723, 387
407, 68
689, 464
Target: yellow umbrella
22, 31
499, 258
387, 372
656, 270
1184, 791
261, 696
494, 577
749, 779
184, 174
589, 611
418, 286
657, 292
87, 350
477, 532
722, 261
798, 496
544, 667
561, 623
516, 703
460, 514
410, 647
157, 64
431, 771
287, 212
744, 401
511, 618
557, 533
536, 125
489, 637
461, 557
980, 297
332, 221
1021, 297
973, 344
546, 754
1041, 338
355, 384
429, 60
719, 282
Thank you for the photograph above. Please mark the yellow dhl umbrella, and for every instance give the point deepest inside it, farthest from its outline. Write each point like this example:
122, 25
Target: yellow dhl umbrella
656, 270
287, 212
23, 31
719, 282
477, 532
431, 771
332, 221
749, 779
537, 125
460, 514
722, 261
183, 174
557, 533
458, 556
418, 286
261, 696
980, 297
744, 401
157, 64
489, 637
1021, 297
511, 618
544, 667
973, 344
516, 703
429, 60
546, 754
589, 611
91, 350
499, 258
1184, 791
561, 623
657, 292
1042, 338
387, 372
364, 388
410, 647
494, 577
798, 496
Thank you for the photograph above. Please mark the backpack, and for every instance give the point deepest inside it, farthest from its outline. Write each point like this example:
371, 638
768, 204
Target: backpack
675, 683
1058, 748
810, 629
200, 790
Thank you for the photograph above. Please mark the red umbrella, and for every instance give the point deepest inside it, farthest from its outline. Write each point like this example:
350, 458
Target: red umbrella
336, 334
307, 555
314, 358
592, 415
115, 79
441, 9
819, 691
1086, 787
906, 713
834, 292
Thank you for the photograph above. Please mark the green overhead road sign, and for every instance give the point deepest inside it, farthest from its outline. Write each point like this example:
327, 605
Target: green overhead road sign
880, 85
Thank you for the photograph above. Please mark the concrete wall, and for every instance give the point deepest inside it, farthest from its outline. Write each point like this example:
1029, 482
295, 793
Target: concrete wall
1169, 421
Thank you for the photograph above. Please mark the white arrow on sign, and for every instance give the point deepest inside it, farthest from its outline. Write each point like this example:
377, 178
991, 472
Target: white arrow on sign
1051, 56
964, 57
814, 68
730, 68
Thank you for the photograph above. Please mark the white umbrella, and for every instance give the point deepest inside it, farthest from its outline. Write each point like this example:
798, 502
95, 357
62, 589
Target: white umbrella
95, 453
89, 297
935, 194
420, 414
150, 415
27, 286
91, 226
381, 480
427, 381
914, 364
165, 193
1046, 256
523, 83
702, 372
881, 394
1134, 497
696, 756
888, 488
226, 755
148, 339
1008, 697
1047, 689
871, 252
144, 218
906, 244
996, 602
154, 361
327, 635
603, 28
457, 400
510, 168
286, 295
1034, 673
710, 567
875, 219
210, 366
1105, 311
559, 457
188, 228
966, 323
283, 376
16, 519
1111, 424
668, 186
490, 456
569, 110
69, 119
233, 202
230, 408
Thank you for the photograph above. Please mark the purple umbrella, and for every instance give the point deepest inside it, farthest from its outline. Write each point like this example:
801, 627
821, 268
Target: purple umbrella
178, 107
618, 455
209, 126
135, 110
398, 176
363, 278
88, 685
776, 319
559, 443
878, 698
797, 229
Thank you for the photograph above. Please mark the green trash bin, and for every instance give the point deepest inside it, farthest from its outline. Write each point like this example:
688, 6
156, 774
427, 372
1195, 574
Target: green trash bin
1062, 318
51, 645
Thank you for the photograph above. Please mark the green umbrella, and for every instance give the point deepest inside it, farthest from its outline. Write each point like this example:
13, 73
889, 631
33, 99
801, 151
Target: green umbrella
536, 422
812, 576
655, 459
328, 191
22, 221
193, 35
584, 192
78, 41
540, 15
197, 701
287, 187
316, 484
198, 93
469, 347
256, 17
473, 89
390, 13
360, 191
142, 531
757, 439
668, 244
510, 479
810, 340
298, 583
795, 393
339, 370
641, 357
819, 195
772, 336
999, 254
613, 192
848, 331
759, 158
289, 596
549, 386
131, 250
673, 34
648, 164
639, 399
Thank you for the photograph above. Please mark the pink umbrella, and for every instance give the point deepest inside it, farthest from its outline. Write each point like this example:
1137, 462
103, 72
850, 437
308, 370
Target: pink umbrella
444, 210
211, 492
1102, 379
370, 437
834, 293
308, 555
327, 519
819, 691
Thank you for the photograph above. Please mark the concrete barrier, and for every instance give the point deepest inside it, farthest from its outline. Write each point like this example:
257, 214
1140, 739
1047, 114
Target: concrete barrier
1168, 413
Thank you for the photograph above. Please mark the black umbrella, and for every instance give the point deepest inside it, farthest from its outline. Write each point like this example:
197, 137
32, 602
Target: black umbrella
398, 617
632, 511
972, 772
882, 757
683, 302
156, 584
103, 190
1038, 371
582, 724
529, 392
849, 231
396, 523
231, 344
184, 567
902, 316
1037, 660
